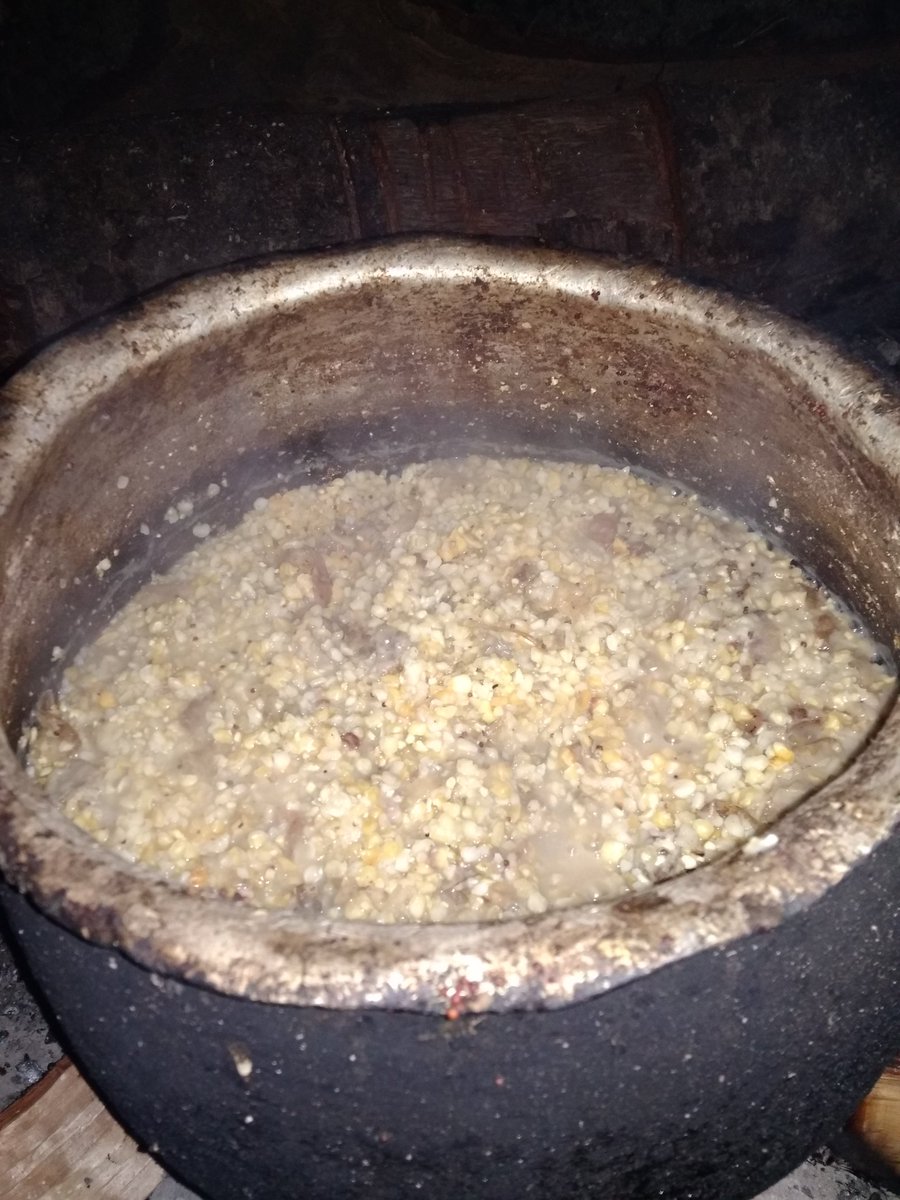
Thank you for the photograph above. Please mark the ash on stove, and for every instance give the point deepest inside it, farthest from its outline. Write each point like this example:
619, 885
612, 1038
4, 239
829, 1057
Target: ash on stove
27, 1048
822, 1177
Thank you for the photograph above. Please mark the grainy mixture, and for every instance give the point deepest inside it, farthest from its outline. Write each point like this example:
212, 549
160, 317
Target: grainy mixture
477, 689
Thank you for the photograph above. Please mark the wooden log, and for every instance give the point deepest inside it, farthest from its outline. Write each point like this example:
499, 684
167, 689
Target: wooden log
58, 1142
877, 1120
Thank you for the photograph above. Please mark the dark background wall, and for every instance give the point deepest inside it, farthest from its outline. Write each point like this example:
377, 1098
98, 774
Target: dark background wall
754, 144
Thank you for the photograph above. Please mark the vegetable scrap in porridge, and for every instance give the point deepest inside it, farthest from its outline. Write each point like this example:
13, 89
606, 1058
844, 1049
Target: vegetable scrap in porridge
477, 689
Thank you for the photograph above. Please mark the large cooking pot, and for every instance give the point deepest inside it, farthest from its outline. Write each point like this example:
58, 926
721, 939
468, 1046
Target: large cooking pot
694, 1041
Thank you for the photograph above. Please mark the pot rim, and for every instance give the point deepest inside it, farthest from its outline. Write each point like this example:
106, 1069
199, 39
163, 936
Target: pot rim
537, 962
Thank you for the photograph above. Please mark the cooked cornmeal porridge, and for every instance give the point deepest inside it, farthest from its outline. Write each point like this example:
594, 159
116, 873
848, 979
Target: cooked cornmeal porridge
476, 689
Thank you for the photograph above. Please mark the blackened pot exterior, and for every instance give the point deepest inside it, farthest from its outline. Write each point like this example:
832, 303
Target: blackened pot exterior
708, 1079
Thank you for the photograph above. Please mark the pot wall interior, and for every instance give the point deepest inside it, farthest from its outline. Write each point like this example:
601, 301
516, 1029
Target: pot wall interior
391, 370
